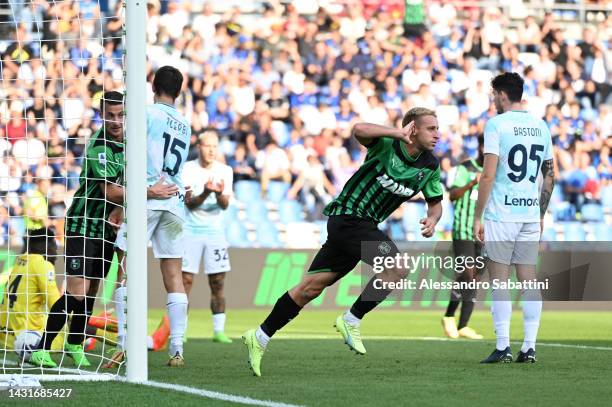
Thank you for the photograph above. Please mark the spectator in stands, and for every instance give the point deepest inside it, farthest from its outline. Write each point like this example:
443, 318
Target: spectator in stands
273, 165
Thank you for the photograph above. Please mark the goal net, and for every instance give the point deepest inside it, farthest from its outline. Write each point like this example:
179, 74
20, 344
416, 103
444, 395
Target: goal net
62, 174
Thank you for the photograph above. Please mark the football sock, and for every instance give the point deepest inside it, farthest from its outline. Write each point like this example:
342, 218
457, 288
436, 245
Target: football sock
58, 314
468, 299
284, 311
453, 304
532, 310
502, 311
369, 298
80, 315
177, 313
218, 322
120, 312
351, 319
262, 337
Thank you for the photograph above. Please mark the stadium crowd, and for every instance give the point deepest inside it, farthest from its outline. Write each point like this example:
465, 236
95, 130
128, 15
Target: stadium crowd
283, 86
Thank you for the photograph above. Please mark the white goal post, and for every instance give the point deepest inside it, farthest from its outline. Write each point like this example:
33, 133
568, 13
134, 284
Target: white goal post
136, 193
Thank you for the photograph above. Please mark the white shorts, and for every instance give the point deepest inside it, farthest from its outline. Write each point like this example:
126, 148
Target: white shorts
165, 231
121, 241
512, 242
212, 248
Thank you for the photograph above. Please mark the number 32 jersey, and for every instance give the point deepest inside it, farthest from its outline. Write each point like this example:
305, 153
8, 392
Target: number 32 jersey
522, 142
168, 138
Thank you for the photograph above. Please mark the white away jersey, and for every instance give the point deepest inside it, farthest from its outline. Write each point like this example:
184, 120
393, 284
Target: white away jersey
208, 217
522, 142
168, 137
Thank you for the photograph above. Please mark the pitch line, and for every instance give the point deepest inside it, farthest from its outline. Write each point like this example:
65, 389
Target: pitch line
441, 339
216, 395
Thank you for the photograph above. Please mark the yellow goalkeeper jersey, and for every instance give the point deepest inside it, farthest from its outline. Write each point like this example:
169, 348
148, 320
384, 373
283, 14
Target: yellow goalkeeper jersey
30, 292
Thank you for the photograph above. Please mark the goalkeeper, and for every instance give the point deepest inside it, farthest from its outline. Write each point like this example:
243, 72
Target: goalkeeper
31, 290
89, 237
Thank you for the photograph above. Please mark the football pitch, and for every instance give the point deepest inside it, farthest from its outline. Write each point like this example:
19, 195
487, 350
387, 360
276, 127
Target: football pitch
408, 363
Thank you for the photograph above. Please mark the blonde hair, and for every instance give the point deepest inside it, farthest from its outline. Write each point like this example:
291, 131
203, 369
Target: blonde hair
416, 112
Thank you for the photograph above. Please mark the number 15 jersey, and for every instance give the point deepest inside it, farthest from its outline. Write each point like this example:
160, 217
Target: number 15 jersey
168, 138
522, 143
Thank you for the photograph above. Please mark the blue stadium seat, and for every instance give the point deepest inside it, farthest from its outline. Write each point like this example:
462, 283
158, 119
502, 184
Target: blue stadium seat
606, 197
602, 232
413, 213
549, 235
290, 211
556, 197
18, 224
267, 235
574, 232
230, 214
277, 191
564, 212
247, 191
592, 212
397, 231
237, 235
257, 212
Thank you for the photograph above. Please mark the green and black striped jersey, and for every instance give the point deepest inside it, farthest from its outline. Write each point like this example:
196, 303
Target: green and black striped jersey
466, 204
388, 177
103, 162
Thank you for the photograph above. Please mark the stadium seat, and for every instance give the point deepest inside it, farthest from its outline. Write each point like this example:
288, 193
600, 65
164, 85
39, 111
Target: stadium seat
237, 235
413, 213
564, 212
290, 211
247, 191
267, 235
592, 212
602, 232
396, 231
573, 232
257, 212
277, 191
549, 235
606, 197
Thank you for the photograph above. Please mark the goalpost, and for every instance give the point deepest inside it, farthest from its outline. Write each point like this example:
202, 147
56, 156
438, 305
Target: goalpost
58, 58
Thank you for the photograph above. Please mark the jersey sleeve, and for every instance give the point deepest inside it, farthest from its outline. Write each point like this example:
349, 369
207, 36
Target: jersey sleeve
379, 145
491, 139
97, 161
461, 178
433, 188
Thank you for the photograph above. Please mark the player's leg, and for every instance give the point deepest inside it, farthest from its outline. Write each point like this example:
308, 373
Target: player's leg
167, 240
72, 301
468, 295
194, 247
525, 258
216, 265
448, 321
499, 245
378, 245
287, 307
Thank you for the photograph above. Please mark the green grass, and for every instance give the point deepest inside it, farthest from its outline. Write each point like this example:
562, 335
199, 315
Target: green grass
321, 371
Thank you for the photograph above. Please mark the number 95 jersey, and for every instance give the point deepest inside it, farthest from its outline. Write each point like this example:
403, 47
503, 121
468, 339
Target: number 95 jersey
168, 138
522, 143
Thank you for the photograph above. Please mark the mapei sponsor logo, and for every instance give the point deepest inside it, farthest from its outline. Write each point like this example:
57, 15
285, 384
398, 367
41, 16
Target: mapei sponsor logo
393, 186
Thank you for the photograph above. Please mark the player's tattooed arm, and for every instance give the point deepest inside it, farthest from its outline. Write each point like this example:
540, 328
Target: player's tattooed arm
548, 170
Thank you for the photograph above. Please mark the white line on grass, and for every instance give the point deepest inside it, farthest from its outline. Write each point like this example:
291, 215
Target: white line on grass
440, 339
216, 395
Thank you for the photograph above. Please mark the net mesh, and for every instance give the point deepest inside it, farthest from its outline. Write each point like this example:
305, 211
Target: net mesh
58, 60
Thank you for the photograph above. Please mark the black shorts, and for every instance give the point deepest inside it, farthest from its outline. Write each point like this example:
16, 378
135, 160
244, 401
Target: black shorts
88, 257
344, 249
468, 248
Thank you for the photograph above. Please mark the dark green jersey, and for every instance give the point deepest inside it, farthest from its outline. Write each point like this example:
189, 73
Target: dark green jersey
103, 162
466, 204
388, 177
